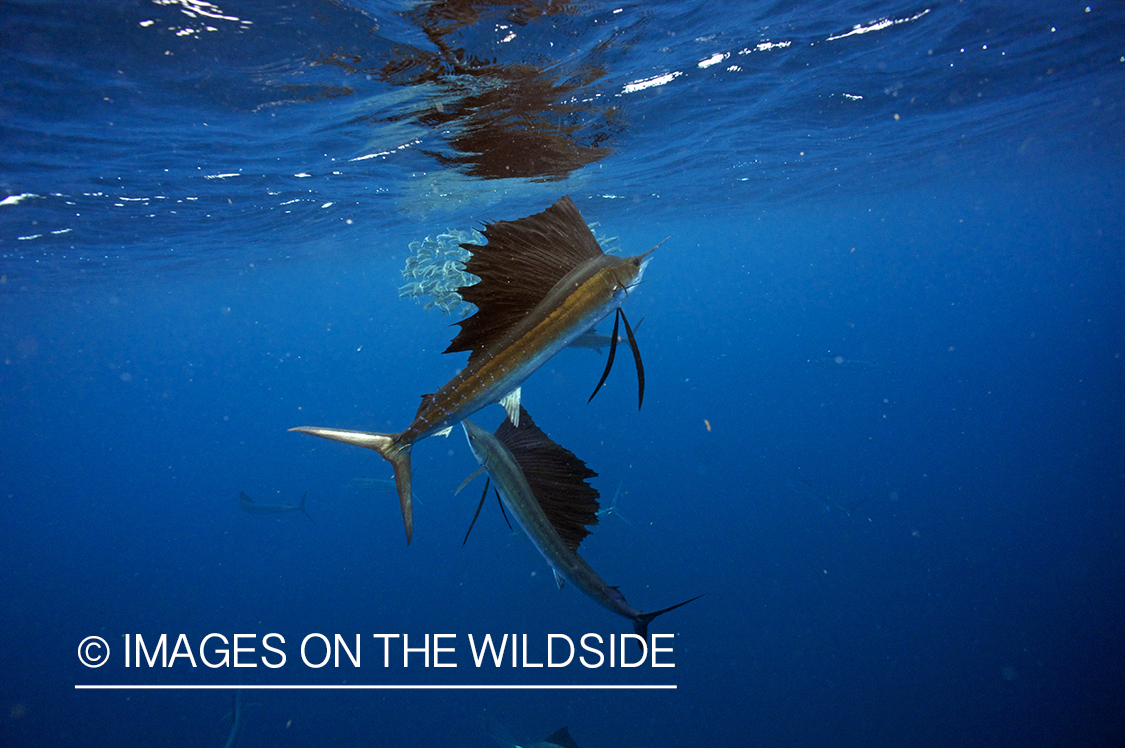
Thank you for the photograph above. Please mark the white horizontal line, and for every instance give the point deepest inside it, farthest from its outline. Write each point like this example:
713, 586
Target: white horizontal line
383, 687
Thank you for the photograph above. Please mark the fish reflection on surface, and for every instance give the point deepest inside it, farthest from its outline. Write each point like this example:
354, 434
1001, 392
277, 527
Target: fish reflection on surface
501, 120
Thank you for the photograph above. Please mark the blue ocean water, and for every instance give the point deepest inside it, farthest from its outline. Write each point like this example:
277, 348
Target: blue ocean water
205, 210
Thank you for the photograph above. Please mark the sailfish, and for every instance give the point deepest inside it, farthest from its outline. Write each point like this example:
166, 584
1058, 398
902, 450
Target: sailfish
250, 506
543, 282
544, 486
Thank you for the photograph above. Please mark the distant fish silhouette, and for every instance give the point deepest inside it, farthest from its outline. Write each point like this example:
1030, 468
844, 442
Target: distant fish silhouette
612, 508
558, 739
371, 484
543, 282
840, 362
248, 505
809, 488
543, 485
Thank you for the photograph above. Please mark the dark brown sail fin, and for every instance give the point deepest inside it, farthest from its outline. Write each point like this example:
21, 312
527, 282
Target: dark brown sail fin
521, 263
558, 479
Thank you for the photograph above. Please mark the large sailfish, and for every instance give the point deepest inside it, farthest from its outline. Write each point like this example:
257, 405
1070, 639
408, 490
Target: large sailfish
543, 282
544, 486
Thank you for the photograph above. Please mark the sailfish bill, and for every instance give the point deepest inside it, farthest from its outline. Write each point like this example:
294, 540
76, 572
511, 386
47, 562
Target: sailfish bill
544, 486
543, 282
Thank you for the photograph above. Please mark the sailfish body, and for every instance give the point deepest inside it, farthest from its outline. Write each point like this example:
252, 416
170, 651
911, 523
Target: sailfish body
544, 281
543, 485
250, 506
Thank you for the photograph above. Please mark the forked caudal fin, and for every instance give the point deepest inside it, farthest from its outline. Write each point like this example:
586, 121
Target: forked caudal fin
641, 622
387, 446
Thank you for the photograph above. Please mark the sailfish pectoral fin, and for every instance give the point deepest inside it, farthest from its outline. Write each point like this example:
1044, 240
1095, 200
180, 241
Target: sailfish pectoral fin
636, 359
612, 353
389, 449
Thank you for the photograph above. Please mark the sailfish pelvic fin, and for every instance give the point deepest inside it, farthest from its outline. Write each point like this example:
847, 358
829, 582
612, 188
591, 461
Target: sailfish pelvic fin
619, 317
636, 360
511, 403
612, 353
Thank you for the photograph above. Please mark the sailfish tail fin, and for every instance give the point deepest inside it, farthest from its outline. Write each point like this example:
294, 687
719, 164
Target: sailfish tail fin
641, 622
389, 449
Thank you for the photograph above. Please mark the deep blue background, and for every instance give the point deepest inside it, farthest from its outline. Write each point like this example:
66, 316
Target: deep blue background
154, 356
